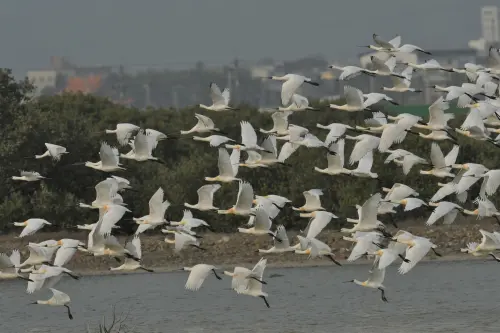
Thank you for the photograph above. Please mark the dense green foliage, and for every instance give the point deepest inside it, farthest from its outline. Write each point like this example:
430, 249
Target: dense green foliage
78, 121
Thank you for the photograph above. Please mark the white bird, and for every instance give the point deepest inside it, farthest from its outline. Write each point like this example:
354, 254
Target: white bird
244, 201
446, 209
38, 254
214, 140
316, 248
282, 245
29, 176
489, 242
336, 132
142, 148
53, 151
410, 203
365, 143
335, 159
269, 156
156, 216
182, 240
280, 123
156, 136
374, 98
204, 125
198, 274
228, 166
106, 194
113, 214
261, 224
299, 103
240, 275
473, 127
441, 165
291, 83
31, 226
418, 247
348, 72
375, 280
364, 168
10, 265
438, 120
430, 64
58, 299
251, 284
491, 182
67, 248
367, 216
365, 243
188, 222
123, 184
402, 84
47, 277
248, 138
404, 158
123, 132
220, 100
205, 198
383, 67
354, 100
133, 257
388, 255
319, 220
313, 201
393, 46
110, 160
485, 208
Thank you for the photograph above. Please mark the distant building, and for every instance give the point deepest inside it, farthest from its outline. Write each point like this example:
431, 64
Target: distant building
42, 79
490, 29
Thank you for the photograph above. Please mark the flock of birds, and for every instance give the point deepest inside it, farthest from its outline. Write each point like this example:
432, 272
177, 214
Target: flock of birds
45, 265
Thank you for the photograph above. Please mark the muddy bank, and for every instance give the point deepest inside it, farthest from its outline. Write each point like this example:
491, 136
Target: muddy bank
228, 249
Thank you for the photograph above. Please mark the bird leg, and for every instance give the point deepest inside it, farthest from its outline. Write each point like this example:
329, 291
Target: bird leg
216, 275
435, 252
265, 300
198, 247
333, 259
254, 278
146, 269
383, 294
494, 257
274, 236
70, 315
24, 278
72, 275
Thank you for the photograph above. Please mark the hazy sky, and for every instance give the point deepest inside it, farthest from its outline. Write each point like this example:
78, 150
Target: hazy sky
184, 31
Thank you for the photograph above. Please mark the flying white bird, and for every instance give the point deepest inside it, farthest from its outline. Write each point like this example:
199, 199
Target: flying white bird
10, 265
261, 224
47, 277
228, 166
313, 201
441, 164
365, 143
364, 168
123, 132
205, 198
447, 210
58, 299
109, 159
348, 72
489, 242
335, 159
29, 176
405, 159
220, 100
354, 100
365, 243
251, 286
248, 138
214, 140
204, 125
418, 247
393, 46
182, 240
299, 103
113, 214
198, 274
367, 216
317, 248
336, 132
282, 245
375, 280
133, 257
106, 194
53, 151
244, 201
142, 148
31, 226
156, 216
402, 85
291, 83
280, 123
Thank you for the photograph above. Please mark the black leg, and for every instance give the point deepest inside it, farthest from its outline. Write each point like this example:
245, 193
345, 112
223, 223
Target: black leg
332, 258
404, 259
383, 294
265, 300
70, 316
435, 252
254, 278
217, 276
146, 269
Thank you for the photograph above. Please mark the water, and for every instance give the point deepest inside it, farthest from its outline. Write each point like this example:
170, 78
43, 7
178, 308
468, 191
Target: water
434, 297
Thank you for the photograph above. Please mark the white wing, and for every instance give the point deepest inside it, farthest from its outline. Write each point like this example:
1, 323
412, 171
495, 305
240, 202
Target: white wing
245, 196
224, 163
216, 95
197, 276
353, 96
248, 135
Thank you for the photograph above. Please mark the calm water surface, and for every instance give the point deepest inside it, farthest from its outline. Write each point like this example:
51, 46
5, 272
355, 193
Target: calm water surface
434, 297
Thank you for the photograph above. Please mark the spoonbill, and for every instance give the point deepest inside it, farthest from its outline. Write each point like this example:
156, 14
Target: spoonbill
29, 176
198, 274
280, 246
204, 125
375, 280
291, 83
205, 198
110, 160
228, 166
244, 201
220, 100
53, 151
58, 299
31, 226
313, 201
124, 132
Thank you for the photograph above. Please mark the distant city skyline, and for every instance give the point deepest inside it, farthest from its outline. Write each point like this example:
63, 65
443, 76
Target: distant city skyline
177, 33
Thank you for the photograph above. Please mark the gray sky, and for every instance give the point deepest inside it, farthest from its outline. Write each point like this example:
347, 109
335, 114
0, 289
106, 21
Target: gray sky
177, 32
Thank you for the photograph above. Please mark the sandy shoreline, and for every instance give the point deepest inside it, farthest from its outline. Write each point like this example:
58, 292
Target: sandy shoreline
228, 250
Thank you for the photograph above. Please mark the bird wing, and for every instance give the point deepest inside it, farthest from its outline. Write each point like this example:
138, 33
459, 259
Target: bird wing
204, 122
106, 190
269, 144
336, 162
318, 223
300, 101
262, 220
289, 87
64, 255
248, 135
216, 95
369, 210
444, 208
253, 157
108, 155
287, 150
387, 258
362, 247
280, 121
224, 163
414, 254
491, 182
489, 239
313, 197
451, 157
155, 204
206, 194
235, 161
134, 247
335, 133
217, 140
436, 112
283, 237
197, 275
390, 134
443, 191
32, 227
378, 119
413, 203
226, 93
353, 96
362, 147
110, 218
365, 163
245, 196
55, 151
58, 297
437, 157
